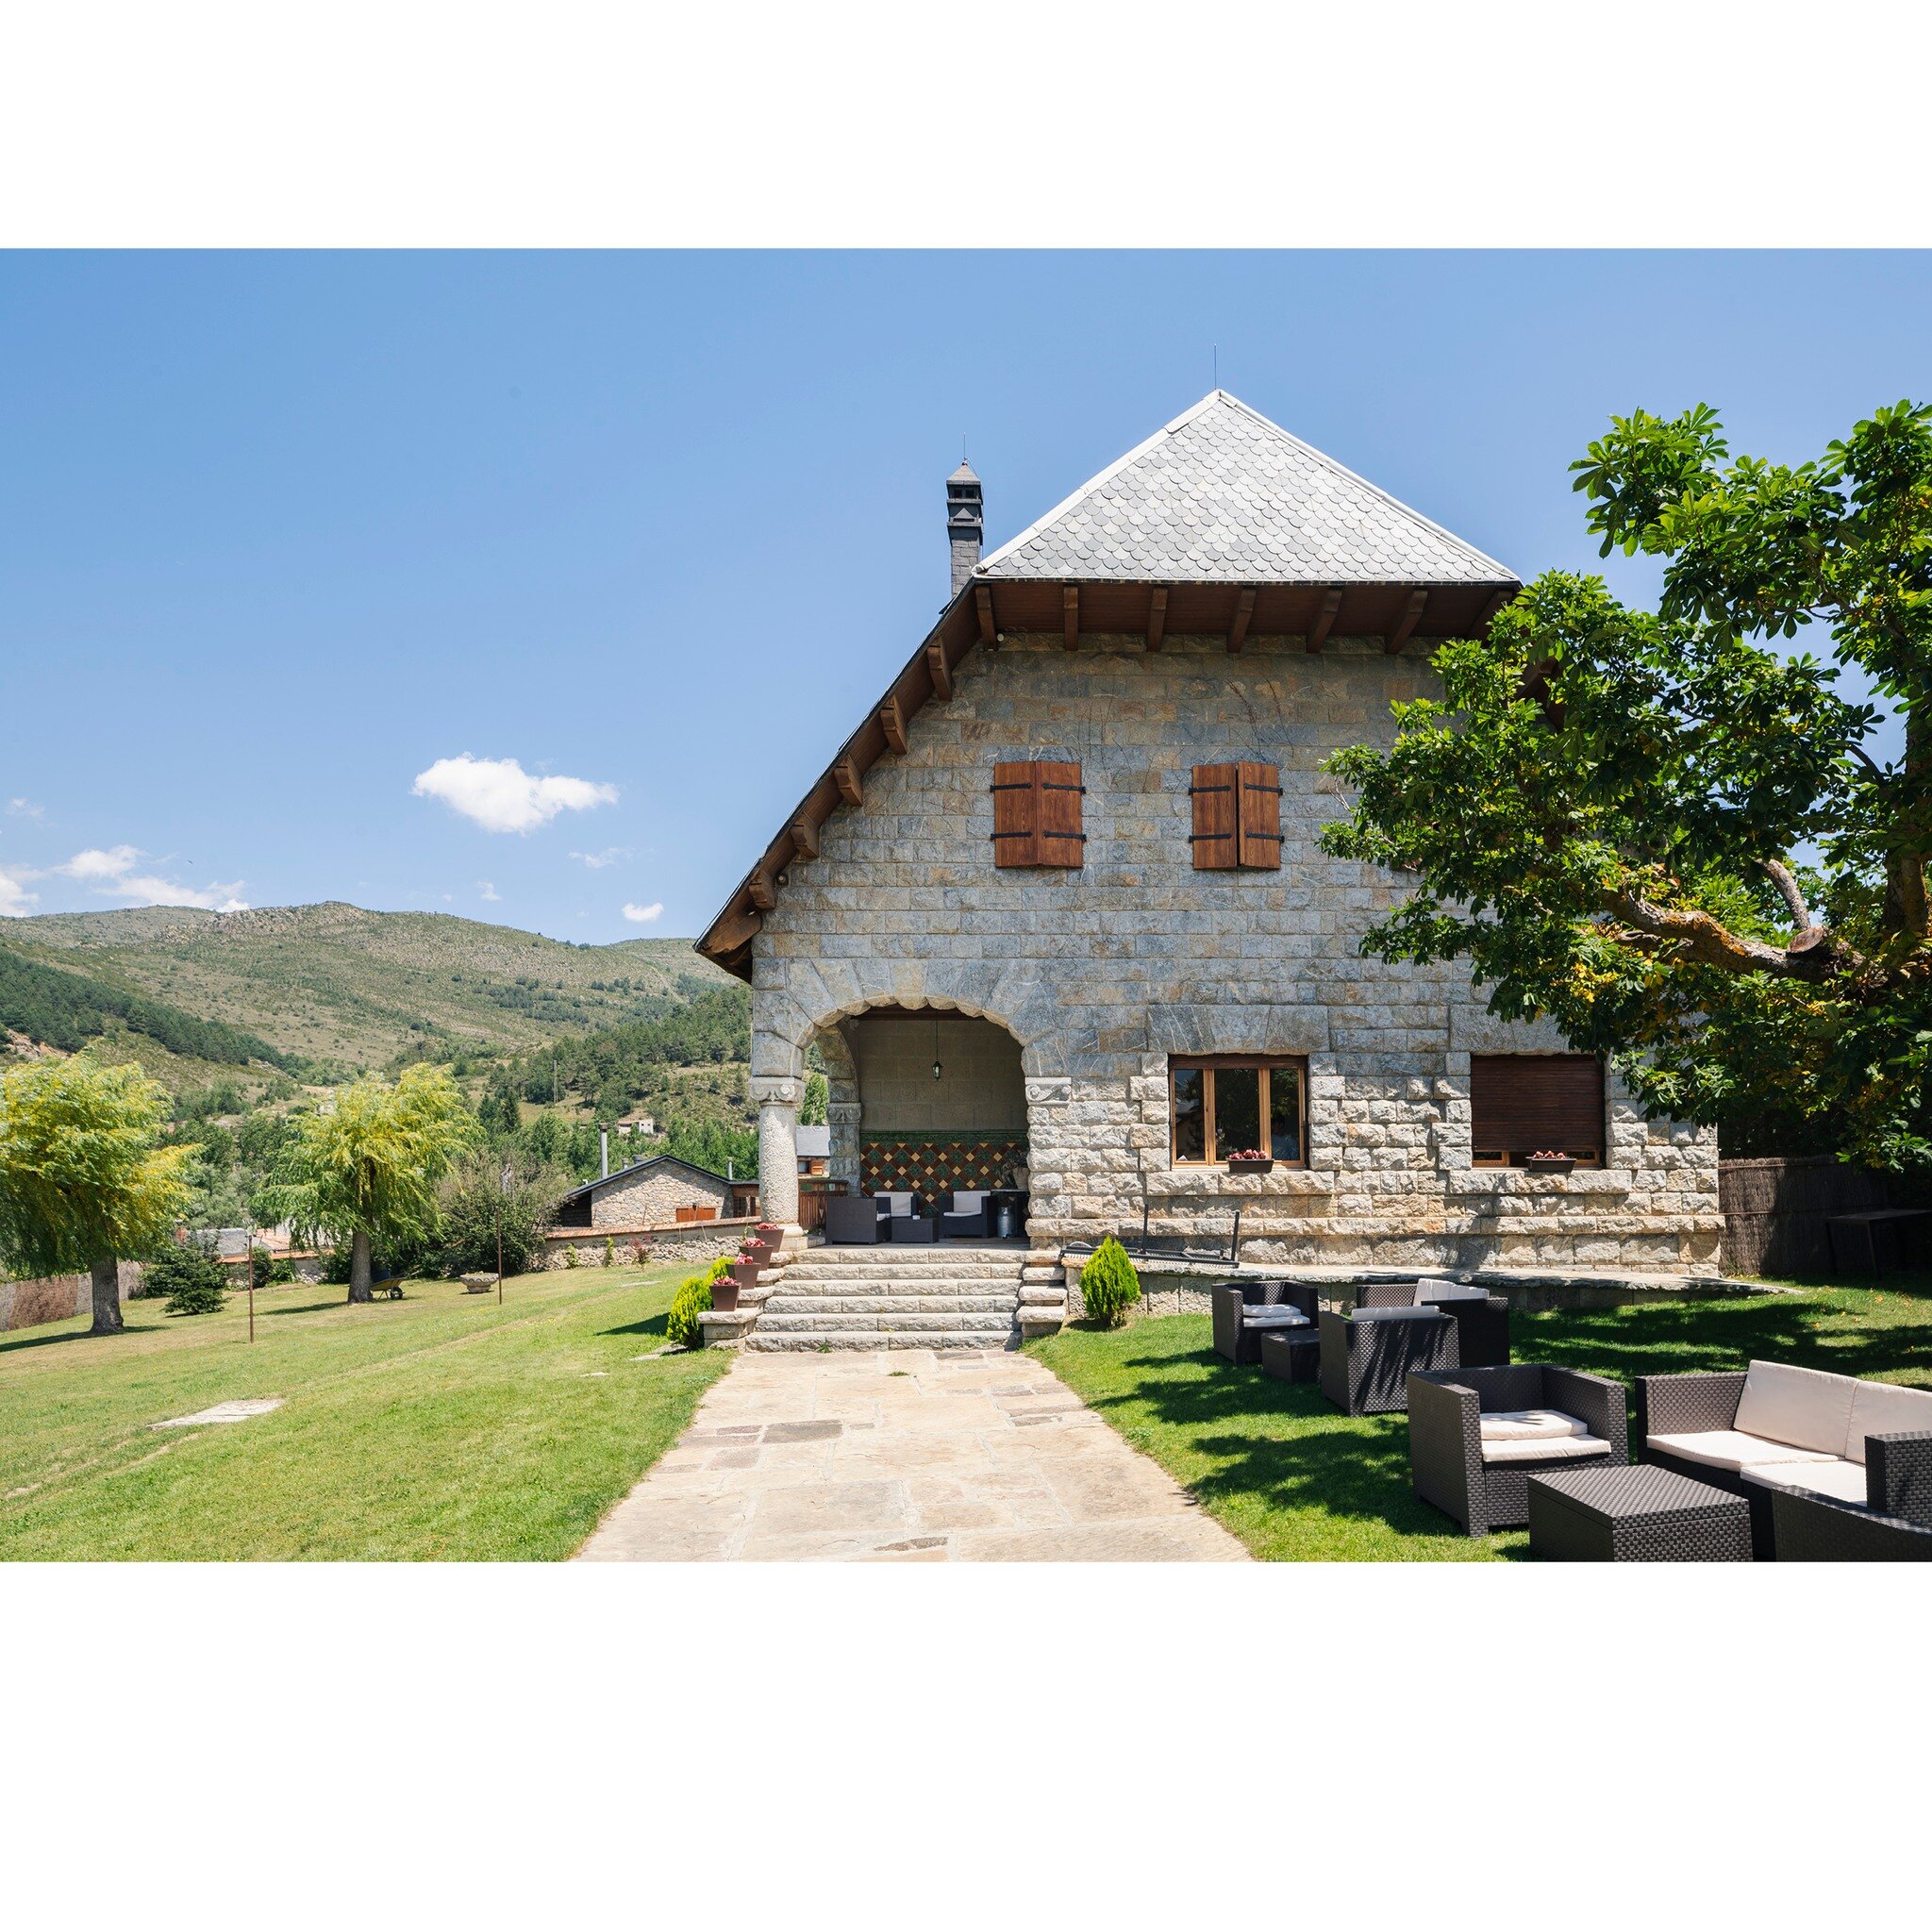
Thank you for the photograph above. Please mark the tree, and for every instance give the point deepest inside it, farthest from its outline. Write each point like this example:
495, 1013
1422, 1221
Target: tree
474, 1205
813, 1101
368, 1169
1607, 814
84, 1181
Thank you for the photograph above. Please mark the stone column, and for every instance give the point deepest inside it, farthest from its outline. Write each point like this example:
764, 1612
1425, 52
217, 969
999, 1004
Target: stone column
777, 1101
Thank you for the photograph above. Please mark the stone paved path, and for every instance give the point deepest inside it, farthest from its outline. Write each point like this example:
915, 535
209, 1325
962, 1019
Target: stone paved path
904, 1455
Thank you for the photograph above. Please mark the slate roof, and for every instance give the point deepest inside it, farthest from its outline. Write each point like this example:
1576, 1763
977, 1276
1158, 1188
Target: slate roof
620, 1174
1222, 494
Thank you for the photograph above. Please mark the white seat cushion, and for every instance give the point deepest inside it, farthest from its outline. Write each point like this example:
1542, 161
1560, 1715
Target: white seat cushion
1845, 1481
1541, 1448
1284, 1316
1530, 1426
1733, 1449
967, 1203
1803, 1406
897, 1204
1881, 1408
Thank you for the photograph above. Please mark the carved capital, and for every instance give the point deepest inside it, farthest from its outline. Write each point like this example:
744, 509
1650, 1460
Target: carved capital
770, 1090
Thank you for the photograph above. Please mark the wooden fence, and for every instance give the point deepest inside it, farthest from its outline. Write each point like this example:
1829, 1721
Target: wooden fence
1775, 1211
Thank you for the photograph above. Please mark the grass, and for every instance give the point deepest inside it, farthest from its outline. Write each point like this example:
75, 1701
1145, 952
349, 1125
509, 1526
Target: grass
1298, 1481
436, 1427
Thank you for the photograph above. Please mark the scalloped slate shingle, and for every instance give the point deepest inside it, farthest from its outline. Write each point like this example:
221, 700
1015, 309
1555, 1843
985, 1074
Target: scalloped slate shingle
1223, 495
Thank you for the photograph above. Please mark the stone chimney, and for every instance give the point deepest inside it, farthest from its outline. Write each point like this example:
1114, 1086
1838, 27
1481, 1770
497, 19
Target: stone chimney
965, 524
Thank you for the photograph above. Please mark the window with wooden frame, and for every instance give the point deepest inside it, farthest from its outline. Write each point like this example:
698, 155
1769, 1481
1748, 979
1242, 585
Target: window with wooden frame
1222, 1105
1521, 1103
1035, 814
1237, 817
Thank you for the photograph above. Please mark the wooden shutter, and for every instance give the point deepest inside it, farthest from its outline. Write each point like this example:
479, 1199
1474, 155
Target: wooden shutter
1260, 816
1216, 792
1037, 818
1015, 815
1531, 1103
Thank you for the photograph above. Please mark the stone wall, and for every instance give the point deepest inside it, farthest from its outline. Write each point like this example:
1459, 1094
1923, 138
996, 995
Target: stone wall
644, 1200
696, 1242
57, 1297
1102, 973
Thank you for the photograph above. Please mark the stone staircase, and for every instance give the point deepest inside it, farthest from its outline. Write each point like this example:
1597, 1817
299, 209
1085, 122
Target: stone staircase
946, 1296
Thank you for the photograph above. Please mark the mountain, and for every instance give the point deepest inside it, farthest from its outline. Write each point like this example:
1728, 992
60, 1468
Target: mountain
337, 988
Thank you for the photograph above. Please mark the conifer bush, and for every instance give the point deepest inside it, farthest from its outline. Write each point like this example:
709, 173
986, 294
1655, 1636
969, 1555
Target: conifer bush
691, 1300
1108, 1285
188, 1273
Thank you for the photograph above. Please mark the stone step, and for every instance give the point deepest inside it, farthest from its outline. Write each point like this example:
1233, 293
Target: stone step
781, 1323
898, 1283
912, 1260
791, 1304
794, 1342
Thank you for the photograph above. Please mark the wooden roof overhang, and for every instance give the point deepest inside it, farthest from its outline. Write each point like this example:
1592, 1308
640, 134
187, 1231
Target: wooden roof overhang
984, 611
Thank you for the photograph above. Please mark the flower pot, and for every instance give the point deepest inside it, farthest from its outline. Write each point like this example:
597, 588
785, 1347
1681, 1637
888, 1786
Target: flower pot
1563, 1165
725, 1294
1251, 1167
746, 1273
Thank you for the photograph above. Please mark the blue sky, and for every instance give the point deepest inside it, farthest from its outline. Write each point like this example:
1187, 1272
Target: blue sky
279, 534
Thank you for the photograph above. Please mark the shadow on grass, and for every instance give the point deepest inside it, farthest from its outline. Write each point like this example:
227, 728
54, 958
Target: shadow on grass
651, 1325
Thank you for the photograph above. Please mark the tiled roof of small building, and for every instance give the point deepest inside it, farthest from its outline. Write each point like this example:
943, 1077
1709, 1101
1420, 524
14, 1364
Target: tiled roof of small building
1222, 494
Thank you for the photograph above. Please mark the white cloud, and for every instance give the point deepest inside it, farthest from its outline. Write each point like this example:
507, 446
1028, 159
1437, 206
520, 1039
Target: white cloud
489, 891
642, 915
111, 873
499, 795
598, 860
21, 808
15, 899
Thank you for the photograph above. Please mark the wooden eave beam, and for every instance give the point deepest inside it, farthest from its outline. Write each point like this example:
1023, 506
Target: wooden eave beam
1405, 623
1070, 609
1486, 615
982, 598
762, 893
1157, 616
1244, 616
804, 835
938, 670
734, 929
846, 775
892, 722
1324, 620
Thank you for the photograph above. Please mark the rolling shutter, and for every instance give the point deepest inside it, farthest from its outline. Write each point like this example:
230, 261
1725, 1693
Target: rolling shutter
1217, 838
1237, 817
1260, 816
1037, 817
1531, 1103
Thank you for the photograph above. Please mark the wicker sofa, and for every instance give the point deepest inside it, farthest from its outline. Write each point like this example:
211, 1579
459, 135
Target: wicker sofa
1246, 1310
855, 1219
1803, 1447
1477, 1436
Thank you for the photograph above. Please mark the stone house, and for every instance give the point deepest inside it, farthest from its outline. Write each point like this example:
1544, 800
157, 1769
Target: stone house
1056, 913
658, 1192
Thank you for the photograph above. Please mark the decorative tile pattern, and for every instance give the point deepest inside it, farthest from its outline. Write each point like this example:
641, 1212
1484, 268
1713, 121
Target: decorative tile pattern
931, 1168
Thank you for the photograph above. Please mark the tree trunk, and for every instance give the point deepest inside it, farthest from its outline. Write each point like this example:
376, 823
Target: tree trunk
358, 1266
106, 1296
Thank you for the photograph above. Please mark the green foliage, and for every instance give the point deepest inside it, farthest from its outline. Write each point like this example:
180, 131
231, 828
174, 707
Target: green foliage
624, 1066
83, 1175
707, 1144
813, 1101
67, 1010
691, 1300
190, 1274
1603, 812
1108, 1285
470, 1199
570, 1258
609, 1251
269, 1271
373, 1162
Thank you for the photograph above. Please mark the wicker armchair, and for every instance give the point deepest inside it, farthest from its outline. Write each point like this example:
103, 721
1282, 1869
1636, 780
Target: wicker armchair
1246, 1310
855, 1219
1367, 1355
1445, 1437
958, 1224
1893, 1525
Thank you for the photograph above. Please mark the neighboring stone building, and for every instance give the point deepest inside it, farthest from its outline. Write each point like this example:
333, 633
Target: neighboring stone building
658, 1192
1056, 912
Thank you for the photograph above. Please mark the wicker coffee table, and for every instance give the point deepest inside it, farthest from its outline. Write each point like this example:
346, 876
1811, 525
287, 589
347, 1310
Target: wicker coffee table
1291, 1354
1635, 1514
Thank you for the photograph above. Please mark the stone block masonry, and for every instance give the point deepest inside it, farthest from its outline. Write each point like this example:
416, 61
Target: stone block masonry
1102, 973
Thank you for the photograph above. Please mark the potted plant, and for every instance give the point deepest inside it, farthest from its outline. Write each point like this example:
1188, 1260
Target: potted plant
1551, 1160
723, 1281
1250, 1160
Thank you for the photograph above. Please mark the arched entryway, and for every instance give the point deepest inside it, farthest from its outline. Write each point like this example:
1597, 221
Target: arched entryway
937, 1106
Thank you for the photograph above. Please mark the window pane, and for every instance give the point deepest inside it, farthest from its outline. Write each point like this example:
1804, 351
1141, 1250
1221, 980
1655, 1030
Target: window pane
1285, 1112
1237, 1110
1190, 1115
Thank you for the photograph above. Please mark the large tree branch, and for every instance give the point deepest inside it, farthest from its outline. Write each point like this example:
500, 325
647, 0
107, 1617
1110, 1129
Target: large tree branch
1814, 955
1794, 899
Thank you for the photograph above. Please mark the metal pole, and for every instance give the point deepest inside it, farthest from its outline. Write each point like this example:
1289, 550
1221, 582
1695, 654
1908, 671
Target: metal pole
502, 1194
248, 1263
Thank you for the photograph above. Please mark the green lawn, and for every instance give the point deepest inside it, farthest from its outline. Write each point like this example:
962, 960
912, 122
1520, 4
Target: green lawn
1296, 1480
434, 1428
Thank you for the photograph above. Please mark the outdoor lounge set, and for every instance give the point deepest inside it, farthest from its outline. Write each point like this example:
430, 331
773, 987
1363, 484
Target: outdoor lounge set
1775, 1463
961, 1215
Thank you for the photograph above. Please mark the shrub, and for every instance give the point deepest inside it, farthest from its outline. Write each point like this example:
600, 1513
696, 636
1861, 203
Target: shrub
192, 1277
609, 1251
1108, 1285
270, 1271
687, 1305
469, 1202
570, 1258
